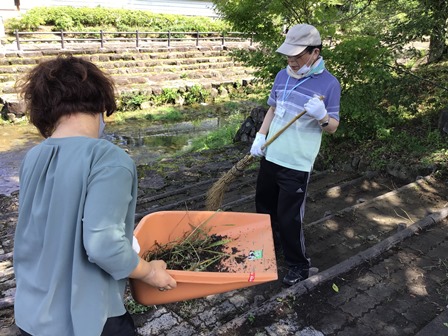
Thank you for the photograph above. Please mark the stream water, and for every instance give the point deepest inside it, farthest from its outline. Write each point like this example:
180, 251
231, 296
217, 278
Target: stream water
144, 142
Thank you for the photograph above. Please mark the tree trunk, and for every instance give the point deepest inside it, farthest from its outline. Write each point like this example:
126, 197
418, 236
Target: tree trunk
437, 44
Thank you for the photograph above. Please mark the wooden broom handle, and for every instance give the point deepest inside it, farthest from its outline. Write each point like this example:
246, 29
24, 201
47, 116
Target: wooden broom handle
276, 135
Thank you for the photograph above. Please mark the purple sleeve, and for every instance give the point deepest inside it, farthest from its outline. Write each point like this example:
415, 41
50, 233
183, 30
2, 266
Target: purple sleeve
332, 100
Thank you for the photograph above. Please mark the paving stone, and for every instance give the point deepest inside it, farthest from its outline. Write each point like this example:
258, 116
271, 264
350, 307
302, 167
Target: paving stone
378, 318
392, 330
426, 263
239, 301
414, 313
405, 276
210, 317
417, 289
436, 327
329, 323
386, 267
360, 305
439, 295
440, 250
284, 327
403, 303
381, 291
9, 331
357, 330
205, 319
309, 331
313, 314
426, 241
345, 294
402, 324
405, 256
374, 321
367, 280
182, 329
164, 321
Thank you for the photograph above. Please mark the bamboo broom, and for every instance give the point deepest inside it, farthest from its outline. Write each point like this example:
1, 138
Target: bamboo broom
216, 193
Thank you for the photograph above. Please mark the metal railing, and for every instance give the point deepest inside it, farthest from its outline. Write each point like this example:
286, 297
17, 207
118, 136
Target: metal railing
136, 38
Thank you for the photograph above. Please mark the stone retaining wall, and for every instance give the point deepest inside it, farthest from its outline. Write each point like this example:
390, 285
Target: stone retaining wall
134, 70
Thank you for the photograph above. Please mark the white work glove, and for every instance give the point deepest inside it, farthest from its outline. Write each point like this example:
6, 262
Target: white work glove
315, 108
135, 244
260, 140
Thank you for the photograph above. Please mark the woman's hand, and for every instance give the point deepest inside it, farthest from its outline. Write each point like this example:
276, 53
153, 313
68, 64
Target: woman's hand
154, 274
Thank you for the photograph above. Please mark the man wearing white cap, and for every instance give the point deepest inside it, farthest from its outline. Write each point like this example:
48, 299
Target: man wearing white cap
286, 164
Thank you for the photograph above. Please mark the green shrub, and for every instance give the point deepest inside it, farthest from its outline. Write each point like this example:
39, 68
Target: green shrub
29, 22
168, 96
131, 101
64, 22
196, 94
68, 18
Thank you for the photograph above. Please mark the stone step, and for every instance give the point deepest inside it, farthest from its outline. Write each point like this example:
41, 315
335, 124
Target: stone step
146, 70
116, 54
126, 85
12, 67
153, 83
164, 64
12, 73
124, 59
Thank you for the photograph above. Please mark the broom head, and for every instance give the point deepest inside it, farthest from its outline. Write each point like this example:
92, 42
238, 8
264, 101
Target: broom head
215, 194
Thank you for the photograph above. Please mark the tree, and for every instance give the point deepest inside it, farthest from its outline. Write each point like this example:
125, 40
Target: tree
398, 23
267, 20
394, 23
426, 18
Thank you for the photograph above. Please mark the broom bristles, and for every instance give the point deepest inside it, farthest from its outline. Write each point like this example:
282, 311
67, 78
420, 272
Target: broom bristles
215, 194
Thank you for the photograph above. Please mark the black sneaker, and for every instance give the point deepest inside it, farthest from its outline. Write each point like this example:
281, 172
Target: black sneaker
295, 275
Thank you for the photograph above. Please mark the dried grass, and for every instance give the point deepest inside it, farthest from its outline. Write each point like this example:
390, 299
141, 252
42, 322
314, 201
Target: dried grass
196, 250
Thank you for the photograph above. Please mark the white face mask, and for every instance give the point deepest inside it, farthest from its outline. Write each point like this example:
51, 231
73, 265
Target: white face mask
305, 68
102, 126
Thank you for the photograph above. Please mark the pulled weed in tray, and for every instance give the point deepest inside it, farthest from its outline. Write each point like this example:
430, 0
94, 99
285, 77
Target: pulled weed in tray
197, 250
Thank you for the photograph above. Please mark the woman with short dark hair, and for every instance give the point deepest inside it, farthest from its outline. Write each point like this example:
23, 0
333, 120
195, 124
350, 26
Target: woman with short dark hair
73, 242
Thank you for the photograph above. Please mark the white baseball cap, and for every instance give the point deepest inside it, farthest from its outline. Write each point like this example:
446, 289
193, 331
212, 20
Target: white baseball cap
298, 38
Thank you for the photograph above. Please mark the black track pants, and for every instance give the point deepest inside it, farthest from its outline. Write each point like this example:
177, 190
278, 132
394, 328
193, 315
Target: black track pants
281, 192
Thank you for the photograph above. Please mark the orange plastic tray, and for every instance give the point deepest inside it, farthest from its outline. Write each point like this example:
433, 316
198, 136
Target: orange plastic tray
251, 236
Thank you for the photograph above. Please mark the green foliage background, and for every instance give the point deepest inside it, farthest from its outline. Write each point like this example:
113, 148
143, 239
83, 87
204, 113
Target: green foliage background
93, 19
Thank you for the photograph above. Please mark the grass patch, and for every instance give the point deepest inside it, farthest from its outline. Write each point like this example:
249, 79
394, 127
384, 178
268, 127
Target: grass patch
134, 307
215, 139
